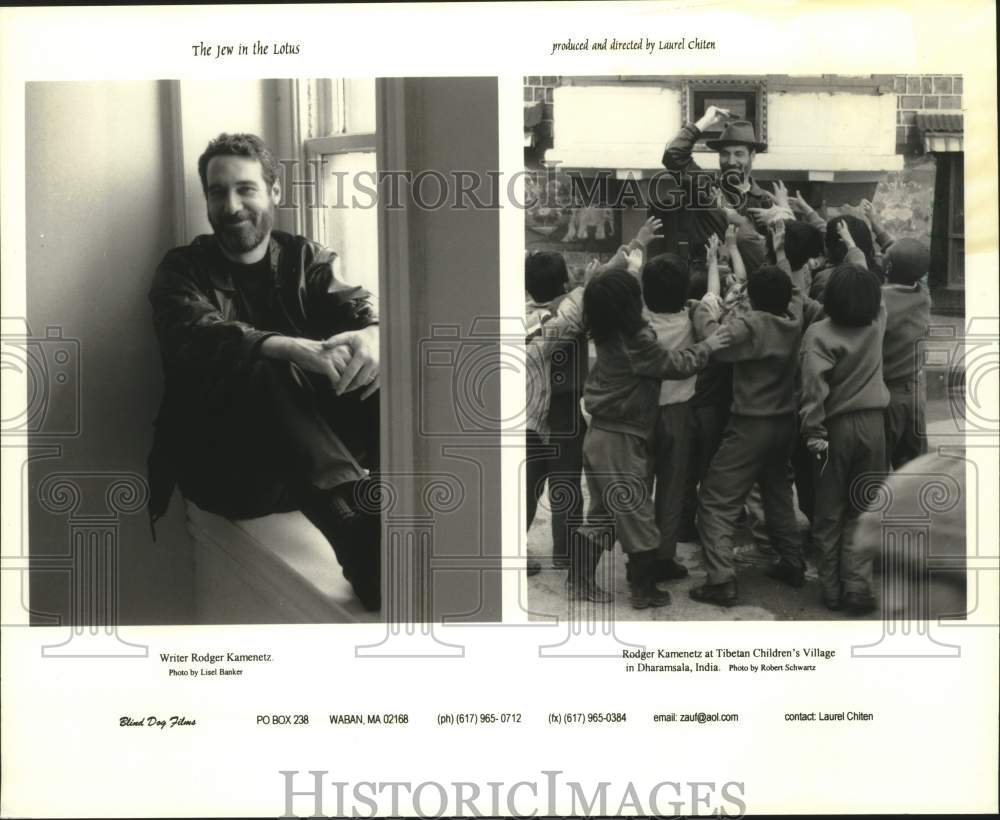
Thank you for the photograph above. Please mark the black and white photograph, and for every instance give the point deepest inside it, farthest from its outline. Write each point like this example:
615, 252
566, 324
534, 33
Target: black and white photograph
206, 349
312, 509
743, 401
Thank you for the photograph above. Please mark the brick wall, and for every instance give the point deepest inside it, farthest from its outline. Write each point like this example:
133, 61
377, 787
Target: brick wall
539, 89
922, 92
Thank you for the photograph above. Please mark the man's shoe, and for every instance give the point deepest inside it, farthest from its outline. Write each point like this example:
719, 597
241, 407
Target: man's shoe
791, 575
534, 567
859, 603
724, 594
669, 569
644, 594
354, 530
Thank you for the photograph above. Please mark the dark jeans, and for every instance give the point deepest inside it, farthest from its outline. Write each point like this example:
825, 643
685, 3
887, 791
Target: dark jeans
855, 465
262, 441
709, 423
905, 426
619, 470
753, 449
672, 455
558, 464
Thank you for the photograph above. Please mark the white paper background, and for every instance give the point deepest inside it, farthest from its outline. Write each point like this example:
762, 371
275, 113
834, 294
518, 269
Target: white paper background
933, 746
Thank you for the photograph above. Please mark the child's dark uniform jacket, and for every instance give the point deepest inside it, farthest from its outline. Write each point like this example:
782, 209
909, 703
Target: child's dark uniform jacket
622, 392
908, 317
622, 397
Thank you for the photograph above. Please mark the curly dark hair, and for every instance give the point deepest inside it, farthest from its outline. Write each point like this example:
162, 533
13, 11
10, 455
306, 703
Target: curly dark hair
802, 243
239, 145
612, 304
770, 289
852, 296
836, 250
665, 282
545, 275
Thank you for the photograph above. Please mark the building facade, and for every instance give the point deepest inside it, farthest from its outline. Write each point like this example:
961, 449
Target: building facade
895, 140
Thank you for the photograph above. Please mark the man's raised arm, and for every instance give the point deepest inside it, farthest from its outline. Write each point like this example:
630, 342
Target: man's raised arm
677, 156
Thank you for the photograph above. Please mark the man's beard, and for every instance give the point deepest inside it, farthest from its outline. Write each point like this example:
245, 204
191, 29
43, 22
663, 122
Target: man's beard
246, 235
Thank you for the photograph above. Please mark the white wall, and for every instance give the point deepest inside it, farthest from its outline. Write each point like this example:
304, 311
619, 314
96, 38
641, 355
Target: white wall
837, 131
630, 125
627, 127
206, 109
99, 219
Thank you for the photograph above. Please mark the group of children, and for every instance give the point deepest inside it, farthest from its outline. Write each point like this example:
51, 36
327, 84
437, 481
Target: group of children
776, 361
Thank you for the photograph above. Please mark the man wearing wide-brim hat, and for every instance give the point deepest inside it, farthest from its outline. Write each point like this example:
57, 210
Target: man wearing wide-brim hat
737, 145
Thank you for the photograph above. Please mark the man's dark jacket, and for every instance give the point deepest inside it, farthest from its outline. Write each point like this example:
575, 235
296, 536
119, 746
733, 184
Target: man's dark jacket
704, 221
201, 317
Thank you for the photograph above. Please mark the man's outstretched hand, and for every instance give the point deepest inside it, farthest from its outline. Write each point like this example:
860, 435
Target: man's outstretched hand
713, 116
362, 369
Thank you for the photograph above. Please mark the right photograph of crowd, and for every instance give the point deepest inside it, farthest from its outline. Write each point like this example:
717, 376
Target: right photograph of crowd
745, 321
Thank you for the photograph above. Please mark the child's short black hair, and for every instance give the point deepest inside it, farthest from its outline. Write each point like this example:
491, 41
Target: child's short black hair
698, 284
770, 289
545, 275
852, 296
802, 243
836, 250
665, 282
906, 261
612, 303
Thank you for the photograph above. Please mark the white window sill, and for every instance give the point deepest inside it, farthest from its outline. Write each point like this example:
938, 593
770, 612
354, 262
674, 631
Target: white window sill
276, 569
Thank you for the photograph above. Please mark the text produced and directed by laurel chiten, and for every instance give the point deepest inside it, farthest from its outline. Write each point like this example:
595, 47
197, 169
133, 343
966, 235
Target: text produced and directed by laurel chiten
638, 44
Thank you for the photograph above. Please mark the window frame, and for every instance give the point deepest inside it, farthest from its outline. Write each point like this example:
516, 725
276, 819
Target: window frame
322, 131
690, 88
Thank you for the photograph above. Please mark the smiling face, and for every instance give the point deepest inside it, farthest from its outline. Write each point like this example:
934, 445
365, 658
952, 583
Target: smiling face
737, 158
240, 205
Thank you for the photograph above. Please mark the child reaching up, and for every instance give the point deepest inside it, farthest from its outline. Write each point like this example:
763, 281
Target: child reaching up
861, 250
760, 436
842, 403
622, 397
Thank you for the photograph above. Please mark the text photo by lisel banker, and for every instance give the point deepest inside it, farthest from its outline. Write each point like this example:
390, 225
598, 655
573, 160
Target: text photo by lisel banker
747, 348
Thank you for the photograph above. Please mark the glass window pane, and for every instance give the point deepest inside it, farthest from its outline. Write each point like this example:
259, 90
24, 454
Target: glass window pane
352, 217
359, 105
